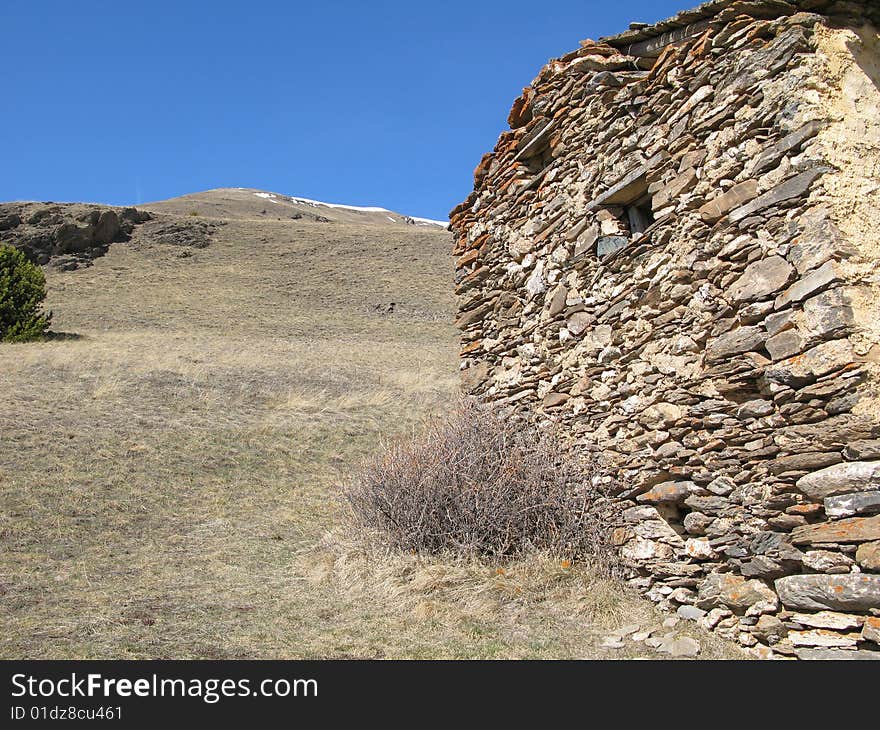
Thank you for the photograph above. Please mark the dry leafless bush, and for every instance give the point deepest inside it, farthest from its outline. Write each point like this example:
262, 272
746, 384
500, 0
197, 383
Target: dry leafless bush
479, 484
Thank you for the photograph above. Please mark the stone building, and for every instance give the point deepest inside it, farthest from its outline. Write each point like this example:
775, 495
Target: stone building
673, 254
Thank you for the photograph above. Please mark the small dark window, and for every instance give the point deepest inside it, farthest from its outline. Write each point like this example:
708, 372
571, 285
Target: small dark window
630, 222
641, 215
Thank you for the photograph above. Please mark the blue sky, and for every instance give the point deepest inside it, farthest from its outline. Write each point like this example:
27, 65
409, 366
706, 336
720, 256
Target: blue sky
364, 103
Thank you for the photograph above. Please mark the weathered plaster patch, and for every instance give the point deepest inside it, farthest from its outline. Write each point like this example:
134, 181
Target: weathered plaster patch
848, 62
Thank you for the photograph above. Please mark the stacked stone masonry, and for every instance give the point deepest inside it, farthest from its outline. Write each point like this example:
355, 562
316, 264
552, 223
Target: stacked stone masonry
673, 255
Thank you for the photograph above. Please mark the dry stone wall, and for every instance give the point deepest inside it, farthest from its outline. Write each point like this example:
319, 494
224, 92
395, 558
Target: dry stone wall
672, 253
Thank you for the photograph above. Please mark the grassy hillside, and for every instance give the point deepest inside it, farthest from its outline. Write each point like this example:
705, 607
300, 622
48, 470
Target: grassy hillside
168, 466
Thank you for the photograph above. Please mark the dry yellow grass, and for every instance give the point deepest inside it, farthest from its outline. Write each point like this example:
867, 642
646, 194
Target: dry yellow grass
167, 476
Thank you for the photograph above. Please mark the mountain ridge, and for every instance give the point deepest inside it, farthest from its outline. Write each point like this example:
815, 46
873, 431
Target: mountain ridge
241, 202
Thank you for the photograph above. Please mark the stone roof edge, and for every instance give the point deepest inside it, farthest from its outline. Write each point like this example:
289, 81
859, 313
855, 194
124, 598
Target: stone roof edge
644, 40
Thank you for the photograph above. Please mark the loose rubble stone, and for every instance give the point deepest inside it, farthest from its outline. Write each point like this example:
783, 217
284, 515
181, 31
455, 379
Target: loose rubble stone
690, 613
868, 555
714, 617
578, 323
871, 630
696, 522
9, 221
700, 550
641, 549
681, 595
557, 300
770, 629
683, 646
762, 652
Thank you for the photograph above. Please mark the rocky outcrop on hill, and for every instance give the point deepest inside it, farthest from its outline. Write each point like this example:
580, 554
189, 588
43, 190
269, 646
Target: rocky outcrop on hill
192, 233
672, 253
66, 235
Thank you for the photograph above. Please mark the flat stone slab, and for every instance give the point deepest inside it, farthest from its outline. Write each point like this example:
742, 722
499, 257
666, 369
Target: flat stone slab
847, 505
823, 638
812, 364
792, 188
829, 620
771, 156
733, 198
837, 655
732, 591
630, 187
674, 492
810, 284
863, 449
761, 279
852, 592
852, 529
735, 342
843, 478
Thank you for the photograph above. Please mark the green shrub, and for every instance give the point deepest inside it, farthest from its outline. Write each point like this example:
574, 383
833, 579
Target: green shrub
22, 291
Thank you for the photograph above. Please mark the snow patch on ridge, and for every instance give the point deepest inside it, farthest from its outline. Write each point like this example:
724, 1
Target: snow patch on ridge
430, 221
363, 209
272, 198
